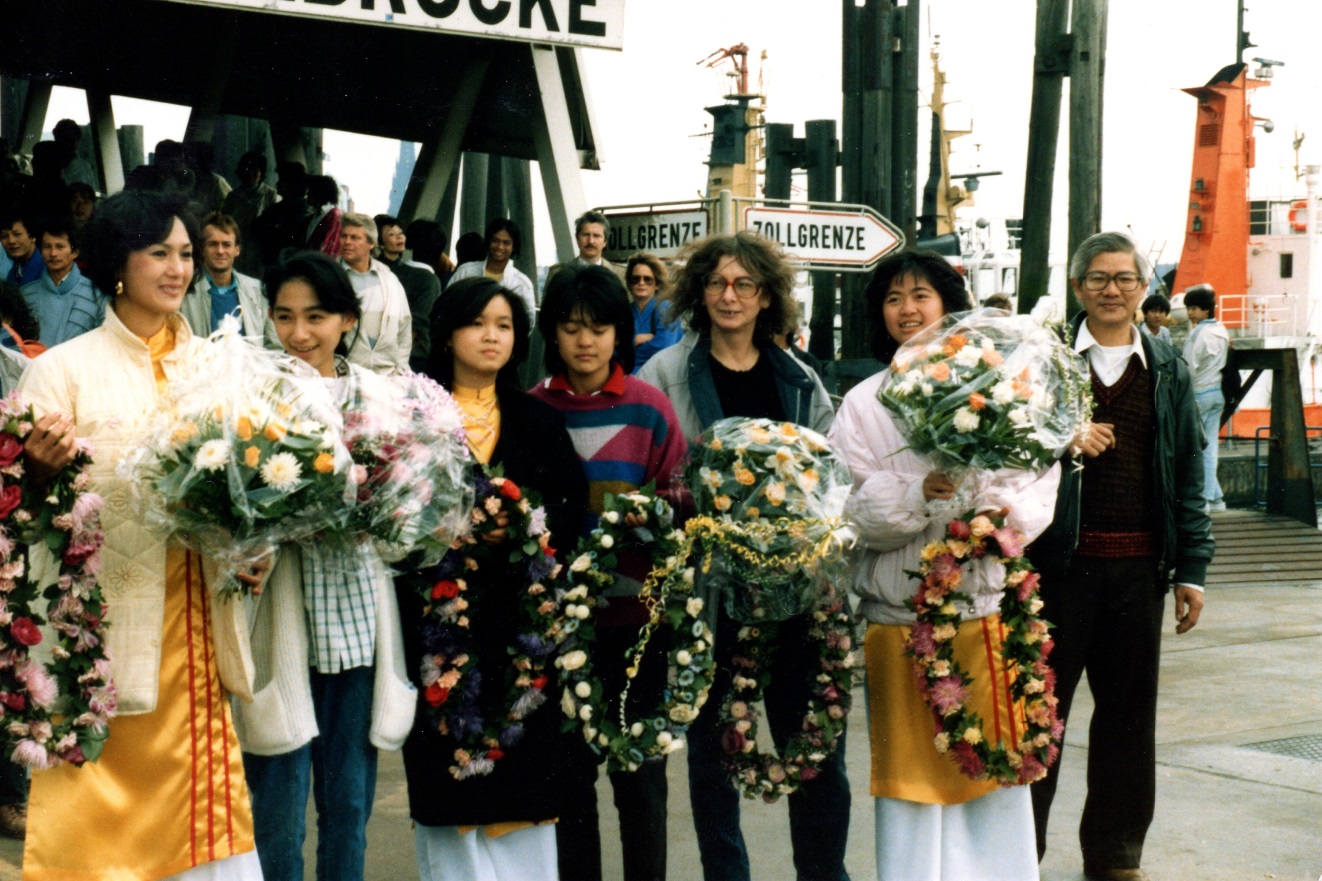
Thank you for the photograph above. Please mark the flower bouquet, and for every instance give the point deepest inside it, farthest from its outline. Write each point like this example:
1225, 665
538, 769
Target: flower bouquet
769, 498
405, 435
475, 585
58, 711
983, 390
245, 455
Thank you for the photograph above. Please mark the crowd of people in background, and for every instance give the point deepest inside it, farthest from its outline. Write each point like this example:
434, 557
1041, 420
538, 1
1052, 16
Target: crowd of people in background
102, 299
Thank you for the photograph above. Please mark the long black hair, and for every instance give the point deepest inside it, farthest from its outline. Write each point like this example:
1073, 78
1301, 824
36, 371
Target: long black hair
595, 294
459, 306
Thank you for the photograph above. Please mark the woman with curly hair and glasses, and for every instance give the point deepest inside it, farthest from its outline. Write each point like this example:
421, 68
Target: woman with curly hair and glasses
735, 293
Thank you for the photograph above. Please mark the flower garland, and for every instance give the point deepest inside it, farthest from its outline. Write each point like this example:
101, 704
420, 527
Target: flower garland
459, 584
764, 774
1024, 651
628, 744
65, 518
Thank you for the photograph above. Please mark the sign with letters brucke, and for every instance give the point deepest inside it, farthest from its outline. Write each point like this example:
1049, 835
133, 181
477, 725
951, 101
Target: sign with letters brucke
852, 238
593, 23
661, 233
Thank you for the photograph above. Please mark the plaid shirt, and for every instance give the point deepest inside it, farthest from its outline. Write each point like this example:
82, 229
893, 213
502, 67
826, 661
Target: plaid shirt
340, 595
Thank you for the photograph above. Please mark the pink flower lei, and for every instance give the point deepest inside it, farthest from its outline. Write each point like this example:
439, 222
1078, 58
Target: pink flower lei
944, 683
766, 775
64, 517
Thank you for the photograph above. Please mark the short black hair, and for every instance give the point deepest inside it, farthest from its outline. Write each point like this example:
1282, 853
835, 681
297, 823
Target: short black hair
129, 221
469, 248
596, 294
506, 225
1156, 303
1201, 296
427, 240
15, 311
328, 281
458, 306
927, 265
59, 225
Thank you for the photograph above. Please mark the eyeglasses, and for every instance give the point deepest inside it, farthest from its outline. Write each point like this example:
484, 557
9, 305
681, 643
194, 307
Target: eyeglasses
1126, 282
744, 288
641, 279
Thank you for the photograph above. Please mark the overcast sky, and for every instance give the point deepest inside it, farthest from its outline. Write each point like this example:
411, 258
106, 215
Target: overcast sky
648, 100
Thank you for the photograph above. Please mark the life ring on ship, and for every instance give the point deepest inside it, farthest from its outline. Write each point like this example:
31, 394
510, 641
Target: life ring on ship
1299, 216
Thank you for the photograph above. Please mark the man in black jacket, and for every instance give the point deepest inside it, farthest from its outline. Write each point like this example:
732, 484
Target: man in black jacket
1128, 519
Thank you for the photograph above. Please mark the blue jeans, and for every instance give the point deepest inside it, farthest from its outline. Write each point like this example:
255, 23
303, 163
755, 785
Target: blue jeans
1210, 404
819, 810
339, 766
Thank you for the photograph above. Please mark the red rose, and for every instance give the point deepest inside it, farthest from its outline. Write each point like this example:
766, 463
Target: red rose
510, 490
435, 695
15, 702
25, 632
10, 449
732, 741
495, 754
10, 498
78, 553
446, 589
539, 683
959, 529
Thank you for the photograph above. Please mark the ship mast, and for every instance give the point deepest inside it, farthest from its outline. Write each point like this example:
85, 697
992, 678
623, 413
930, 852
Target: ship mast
737, 125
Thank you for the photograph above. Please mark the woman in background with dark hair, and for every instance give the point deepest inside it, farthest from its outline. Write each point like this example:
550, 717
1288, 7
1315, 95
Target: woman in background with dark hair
503, 242
630, 437
734, 293
932, 822
167, 797
493, 826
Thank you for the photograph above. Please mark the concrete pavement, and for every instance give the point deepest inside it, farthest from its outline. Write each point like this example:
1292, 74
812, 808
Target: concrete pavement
1248, 674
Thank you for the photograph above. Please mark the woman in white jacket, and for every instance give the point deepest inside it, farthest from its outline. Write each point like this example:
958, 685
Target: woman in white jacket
932, 822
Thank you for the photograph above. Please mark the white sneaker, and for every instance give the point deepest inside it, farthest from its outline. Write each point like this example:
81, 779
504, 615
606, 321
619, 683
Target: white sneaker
1216, 507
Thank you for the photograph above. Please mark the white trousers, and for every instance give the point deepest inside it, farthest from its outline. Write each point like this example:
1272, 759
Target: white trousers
988, 839
240, 867
525, 855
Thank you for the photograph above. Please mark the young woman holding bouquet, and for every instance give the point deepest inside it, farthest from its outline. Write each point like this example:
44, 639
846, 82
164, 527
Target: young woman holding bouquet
734, 294
932, 821
167, 798
496, 825
627, 437
318, 627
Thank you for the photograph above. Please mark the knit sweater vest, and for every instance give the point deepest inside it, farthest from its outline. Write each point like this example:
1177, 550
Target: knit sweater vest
1117, 517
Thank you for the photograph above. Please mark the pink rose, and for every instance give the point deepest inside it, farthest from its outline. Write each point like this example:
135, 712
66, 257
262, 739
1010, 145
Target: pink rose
959, 529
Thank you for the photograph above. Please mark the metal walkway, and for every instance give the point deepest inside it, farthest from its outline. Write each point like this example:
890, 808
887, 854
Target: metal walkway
1256, 548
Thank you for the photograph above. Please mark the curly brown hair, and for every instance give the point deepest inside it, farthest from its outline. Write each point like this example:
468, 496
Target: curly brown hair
764, 260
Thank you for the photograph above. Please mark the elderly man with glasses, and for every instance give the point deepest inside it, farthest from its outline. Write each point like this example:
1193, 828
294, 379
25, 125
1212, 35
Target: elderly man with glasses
1128, 525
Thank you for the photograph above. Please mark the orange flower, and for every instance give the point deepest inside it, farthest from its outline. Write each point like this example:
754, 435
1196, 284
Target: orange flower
955, 343
274, 432
184, 433
992, 357
243, 428
938, 370
324, 463
252, 456
977, 401
744, 476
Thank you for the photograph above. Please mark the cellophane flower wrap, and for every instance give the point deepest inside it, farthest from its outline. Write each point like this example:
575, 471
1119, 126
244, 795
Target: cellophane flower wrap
406, 437
770, 497
985, 390
246, 454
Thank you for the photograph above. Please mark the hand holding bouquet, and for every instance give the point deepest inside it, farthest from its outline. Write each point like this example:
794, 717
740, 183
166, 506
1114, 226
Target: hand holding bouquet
406, 437
245, 455
981, 390
769, 496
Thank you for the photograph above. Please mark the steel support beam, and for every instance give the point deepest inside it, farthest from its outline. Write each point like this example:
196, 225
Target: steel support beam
105, 141
557, 155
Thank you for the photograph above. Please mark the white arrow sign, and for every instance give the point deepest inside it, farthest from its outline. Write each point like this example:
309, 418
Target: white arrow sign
827, 239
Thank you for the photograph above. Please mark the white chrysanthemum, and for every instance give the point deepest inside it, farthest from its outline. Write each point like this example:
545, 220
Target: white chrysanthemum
1041, 400
968, 356
966, 420
282, 471
1019, 416
926, 389
213, 455
1003, 392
